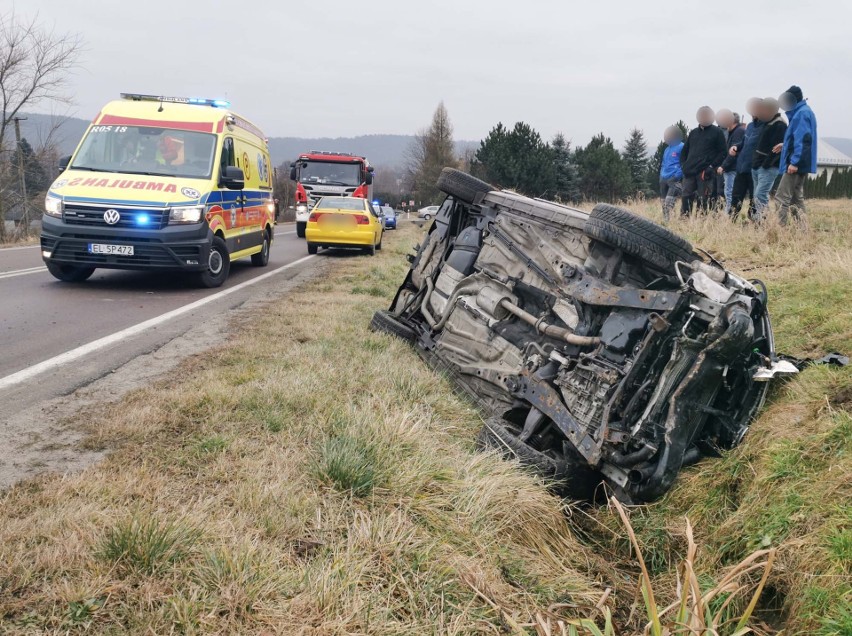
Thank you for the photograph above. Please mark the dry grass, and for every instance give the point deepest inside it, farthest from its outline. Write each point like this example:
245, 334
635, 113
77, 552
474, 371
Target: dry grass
312, 477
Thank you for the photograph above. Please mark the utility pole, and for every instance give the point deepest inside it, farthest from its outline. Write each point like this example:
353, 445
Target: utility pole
25, 218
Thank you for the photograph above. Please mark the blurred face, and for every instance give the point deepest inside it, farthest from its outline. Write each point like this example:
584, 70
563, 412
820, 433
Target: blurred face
768, 111
753, 106
705, 116
670, 136
725, 118
787, 101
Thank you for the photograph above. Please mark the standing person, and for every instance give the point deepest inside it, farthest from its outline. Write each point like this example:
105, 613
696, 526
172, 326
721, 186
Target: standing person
671, 174
798, 155
764, 163
734, 135
703, 152
744, 152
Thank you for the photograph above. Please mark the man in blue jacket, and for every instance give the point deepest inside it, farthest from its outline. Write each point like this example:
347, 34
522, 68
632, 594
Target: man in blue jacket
671, 175
744, 152
798, 155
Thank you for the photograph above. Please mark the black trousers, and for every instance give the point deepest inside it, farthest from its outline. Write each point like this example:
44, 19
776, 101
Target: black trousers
743, 187
695, 189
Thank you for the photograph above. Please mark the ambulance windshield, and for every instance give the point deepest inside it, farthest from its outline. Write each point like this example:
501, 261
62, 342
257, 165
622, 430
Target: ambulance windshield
145, 150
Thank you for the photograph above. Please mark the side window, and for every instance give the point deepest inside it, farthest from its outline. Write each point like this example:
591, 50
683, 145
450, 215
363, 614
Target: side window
372, 210
228, 155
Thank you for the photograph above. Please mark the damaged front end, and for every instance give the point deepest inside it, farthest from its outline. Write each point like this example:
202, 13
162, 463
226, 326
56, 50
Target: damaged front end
603, 347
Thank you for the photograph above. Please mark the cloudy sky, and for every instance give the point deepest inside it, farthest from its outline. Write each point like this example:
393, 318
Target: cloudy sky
342, 67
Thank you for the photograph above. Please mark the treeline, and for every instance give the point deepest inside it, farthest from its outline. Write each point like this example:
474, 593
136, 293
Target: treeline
518, 158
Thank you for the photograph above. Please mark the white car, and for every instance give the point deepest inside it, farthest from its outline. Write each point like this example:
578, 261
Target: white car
428, 212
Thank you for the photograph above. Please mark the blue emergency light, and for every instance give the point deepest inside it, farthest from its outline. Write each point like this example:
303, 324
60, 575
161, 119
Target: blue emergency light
142, 219
195, 101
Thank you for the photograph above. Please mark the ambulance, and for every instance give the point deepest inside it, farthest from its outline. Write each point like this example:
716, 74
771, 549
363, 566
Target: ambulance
161, 184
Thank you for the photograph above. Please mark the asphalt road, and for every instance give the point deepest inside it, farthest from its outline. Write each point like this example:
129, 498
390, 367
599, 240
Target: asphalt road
57, 336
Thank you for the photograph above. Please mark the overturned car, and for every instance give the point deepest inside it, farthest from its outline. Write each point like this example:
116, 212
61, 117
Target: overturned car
602, 346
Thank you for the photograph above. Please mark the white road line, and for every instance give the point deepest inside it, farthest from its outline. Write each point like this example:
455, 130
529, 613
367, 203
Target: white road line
83, 350
20, 247
284, 233
22, 272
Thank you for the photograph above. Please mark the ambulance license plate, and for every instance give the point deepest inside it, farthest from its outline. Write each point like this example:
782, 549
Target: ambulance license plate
111, 250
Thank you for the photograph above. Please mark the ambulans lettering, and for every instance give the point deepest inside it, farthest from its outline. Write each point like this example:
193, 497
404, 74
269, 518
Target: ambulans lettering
94, 182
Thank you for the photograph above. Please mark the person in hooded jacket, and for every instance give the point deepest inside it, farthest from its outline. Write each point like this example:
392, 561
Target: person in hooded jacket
743, 152
671, 175
703, 152
764, 162
734, 135
798, 155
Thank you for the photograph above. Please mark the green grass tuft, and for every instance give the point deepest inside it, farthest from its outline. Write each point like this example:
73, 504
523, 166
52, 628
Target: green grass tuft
147, 545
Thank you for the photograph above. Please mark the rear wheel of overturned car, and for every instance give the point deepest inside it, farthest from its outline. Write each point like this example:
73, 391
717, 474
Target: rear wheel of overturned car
570, 478
300, 229
638, 237
70, 273
218, 264
461, 185
386, 322
261, 259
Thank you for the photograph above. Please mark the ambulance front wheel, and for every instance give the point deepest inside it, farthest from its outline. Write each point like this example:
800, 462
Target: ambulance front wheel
300, 229
70, 273
218, 265
261, 259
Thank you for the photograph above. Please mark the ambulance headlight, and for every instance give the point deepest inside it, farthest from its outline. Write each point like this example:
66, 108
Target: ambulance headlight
186, 214
53, 206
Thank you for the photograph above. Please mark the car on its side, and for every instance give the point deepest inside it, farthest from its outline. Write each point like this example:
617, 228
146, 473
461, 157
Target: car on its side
348, 222
389, 215
601, 346
428, 213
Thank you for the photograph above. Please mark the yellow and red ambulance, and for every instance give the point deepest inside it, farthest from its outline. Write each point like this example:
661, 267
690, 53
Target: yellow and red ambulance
161, 184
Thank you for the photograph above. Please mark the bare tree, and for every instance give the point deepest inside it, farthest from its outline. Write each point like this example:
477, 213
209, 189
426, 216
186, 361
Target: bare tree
431, 150
34, 62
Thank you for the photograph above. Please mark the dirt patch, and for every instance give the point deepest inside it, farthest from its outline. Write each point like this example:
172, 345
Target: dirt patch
842, 399
49, 436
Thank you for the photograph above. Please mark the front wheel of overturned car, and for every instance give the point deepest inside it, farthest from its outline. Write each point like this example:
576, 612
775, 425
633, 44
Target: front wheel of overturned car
461, 185
569, 477
300, 229
638, 237
386, 322
261, 259
70, 273
218, 264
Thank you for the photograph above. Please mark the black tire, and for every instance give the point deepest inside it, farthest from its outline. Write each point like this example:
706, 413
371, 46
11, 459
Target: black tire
70, 273
218, 265
379, 246
313, 248
386, 322
261, 259
371, 250
569, 478
638, 237
300, 229
461, 185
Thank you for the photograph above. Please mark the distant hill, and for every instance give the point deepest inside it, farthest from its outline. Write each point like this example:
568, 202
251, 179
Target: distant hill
381, 150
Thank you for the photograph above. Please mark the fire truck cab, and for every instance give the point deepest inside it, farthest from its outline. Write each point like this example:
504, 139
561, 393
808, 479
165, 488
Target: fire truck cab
319, 174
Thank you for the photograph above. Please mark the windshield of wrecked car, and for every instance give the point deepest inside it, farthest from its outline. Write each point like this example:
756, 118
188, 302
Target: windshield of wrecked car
146, 150
344, 174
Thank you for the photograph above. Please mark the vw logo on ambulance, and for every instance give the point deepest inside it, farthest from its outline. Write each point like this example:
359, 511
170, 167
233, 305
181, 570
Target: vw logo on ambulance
111, 216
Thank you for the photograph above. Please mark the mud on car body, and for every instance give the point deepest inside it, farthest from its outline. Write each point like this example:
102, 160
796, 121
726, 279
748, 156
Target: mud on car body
603, 347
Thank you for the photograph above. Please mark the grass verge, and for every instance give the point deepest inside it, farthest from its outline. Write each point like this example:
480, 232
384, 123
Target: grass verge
310, 476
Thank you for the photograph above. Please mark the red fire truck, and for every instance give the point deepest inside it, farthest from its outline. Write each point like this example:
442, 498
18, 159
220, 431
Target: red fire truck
320, 174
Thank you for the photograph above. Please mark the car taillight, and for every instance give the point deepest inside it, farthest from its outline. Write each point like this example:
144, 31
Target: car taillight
362, 219
314, 217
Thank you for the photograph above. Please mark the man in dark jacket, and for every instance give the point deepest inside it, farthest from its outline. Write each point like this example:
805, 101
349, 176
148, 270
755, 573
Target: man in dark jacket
734, 131
798, 155
764, 162
703, 152
744, 151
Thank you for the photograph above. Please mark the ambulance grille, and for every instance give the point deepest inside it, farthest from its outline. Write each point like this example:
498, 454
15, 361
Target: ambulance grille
135, 218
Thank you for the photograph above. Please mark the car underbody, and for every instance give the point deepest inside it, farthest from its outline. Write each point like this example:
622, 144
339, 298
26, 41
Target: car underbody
602, 347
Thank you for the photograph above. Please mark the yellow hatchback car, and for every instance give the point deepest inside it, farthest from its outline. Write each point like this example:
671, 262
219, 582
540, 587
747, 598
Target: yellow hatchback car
344, 222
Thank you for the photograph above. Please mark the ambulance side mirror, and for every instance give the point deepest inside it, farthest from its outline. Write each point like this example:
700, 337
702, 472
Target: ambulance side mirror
233, 178
64, 161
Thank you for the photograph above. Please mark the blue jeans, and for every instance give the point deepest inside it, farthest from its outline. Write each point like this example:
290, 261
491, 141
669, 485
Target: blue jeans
729, 189
763, 180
